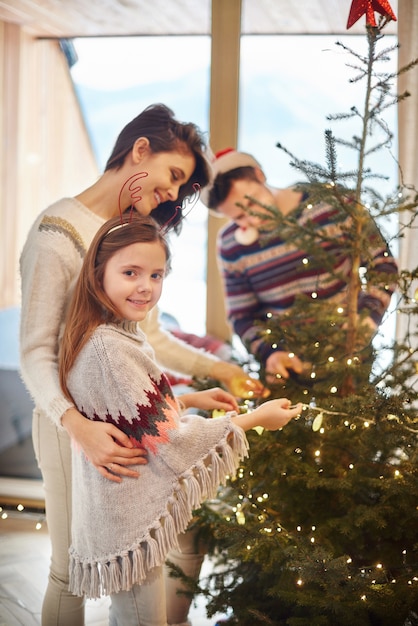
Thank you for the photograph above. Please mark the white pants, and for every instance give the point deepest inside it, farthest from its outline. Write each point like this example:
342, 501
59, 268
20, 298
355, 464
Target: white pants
143, 605
189, 559
53, 453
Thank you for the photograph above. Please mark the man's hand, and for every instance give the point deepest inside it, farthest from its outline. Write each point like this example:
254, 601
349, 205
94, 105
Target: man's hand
279, 363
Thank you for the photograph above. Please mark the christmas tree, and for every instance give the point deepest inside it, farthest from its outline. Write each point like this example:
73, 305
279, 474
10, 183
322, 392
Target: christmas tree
320, 527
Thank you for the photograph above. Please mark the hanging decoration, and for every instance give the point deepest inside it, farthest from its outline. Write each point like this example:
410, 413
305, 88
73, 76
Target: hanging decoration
368, 8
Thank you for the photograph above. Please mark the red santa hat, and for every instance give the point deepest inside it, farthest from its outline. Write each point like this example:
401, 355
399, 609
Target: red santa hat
225, 161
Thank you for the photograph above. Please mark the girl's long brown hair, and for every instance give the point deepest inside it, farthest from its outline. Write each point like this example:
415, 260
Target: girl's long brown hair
90, 306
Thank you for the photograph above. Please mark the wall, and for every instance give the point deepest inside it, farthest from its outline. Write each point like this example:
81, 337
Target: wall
45, 151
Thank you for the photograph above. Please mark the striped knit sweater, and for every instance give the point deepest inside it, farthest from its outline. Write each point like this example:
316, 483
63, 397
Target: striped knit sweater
266, 276
120, 531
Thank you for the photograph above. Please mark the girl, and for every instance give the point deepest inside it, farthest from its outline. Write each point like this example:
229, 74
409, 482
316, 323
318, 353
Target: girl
121, 533
153, 166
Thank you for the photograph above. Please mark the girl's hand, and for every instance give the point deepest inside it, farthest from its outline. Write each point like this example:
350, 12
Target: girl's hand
106, 447
275, 414
271, 415
210, 399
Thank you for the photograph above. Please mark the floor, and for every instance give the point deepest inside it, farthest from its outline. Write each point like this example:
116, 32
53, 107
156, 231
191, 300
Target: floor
24, 560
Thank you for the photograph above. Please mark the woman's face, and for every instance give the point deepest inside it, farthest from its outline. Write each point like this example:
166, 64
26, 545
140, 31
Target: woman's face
159, 178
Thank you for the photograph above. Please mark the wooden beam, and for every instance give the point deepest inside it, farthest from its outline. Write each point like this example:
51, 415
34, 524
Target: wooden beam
224, 96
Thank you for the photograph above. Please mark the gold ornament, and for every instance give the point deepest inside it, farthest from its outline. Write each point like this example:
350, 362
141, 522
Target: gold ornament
248, 388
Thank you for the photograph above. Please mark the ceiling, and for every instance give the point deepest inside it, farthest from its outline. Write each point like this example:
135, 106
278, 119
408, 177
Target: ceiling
94, 18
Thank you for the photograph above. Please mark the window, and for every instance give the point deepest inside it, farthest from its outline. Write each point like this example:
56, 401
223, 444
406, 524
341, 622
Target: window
116, 78
289, 84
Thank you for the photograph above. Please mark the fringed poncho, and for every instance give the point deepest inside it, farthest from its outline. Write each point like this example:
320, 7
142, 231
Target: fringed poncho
120, 531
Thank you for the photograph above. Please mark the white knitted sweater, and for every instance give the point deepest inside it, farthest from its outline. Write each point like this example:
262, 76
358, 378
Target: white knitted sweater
50, 263
120, 531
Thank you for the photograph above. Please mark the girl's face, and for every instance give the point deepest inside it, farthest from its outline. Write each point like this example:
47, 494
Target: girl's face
238, 205
161, 176
133, 279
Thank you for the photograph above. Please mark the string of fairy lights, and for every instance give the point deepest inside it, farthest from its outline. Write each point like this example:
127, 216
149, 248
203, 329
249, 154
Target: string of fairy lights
23, 511
373, 575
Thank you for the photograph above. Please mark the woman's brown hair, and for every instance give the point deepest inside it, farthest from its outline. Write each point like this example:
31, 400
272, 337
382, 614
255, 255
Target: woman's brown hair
90, 306
165, 134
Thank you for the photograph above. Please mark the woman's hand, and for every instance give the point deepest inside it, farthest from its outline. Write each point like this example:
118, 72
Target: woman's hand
210, 399
237, 381
271, 415
106, 447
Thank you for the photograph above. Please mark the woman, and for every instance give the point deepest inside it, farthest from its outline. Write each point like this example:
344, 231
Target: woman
155, 165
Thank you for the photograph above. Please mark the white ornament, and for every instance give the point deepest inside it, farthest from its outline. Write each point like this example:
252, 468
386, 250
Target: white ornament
317, 423
246, 236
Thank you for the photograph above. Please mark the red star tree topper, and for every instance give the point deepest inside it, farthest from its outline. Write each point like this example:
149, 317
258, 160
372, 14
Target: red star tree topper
368, 7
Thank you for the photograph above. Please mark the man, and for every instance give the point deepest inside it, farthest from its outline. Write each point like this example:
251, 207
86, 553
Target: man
263, 273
